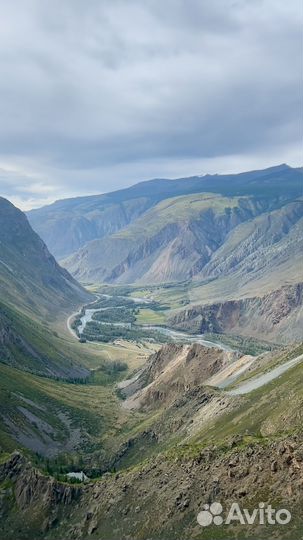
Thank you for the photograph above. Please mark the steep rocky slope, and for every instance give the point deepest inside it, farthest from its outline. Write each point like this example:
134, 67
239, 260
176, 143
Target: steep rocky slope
171, 242
172, 371
68, 225
35, 292
203, 236
128, 504
275, 316
270, 242
29, 275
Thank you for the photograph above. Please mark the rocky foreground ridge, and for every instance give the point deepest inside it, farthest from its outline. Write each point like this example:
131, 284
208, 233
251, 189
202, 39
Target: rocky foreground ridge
126, 504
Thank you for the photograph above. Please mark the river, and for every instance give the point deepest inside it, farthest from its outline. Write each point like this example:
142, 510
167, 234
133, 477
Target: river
176, 335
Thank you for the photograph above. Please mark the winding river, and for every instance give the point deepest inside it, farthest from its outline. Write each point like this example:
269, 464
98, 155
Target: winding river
174, 335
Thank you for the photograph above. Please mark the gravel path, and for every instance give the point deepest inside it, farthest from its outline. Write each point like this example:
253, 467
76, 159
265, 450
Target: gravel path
257, 382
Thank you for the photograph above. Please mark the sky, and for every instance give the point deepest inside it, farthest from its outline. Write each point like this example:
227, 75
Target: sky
97, 95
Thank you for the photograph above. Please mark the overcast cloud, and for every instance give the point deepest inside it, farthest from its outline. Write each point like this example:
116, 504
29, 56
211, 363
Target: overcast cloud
99, 94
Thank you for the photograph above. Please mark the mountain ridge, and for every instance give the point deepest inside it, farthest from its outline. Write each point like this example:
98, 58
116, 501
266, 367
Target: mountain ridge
35, 294
27, 265
67, 225
179, 238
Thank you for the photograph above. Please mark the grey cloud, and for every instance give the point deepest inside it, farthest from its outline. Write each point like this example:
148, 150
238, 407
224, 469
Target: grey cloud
92, 85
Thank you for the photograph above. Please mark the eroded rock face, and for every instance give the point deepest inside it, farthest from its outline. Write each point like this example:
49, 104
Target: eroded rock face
33, 491
164, 495
265, 316
170, 250
172, 371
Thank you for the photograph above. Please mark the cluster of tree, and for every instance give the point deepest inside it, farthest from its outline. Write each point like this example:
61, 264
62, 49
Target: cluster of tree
247, 345
60, 464
115, 366
106, 332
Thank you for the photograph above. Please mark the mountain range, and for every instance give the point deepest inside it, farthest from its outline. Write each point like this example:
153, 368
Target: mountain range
231, 238
174, 427
69, 224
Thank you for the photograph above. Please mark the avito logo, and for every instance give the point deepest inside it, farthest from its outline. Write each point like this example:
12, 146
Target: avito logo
262, 515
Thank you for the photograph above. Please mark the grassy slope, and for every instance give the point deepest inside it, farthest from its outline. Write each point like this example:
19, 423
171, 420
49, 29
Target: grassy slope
92, 355
36, 294
269, 411
92, 408
262, 416
30, 278
176, 210
36, 346
257, 421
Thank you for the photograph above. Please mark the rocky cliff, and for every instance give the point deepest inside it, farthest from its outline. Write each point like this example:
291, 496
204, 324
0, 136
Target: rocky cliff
173, 371
127, 505
275, 316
